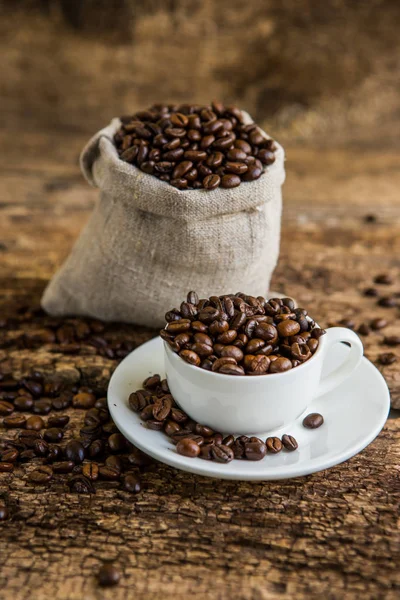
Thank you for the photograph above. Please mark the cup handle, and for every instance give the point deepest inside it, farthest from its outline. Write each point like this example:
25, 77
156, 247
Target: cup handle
333, 336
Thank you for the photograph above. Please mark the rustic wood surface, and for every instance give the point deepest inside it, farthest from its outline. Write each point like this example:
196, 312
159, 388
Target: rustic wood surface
333, 534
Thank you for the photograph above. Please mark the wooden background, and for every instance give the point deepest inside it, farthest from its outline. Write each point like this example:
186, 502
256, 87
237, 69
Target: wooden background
323, 78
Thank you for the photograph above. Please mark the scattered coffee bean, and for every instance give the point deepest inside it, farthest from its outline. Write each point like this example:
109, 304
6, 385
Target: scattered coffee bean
364, 329
392, 340
14, 421
10, 455
131, 483
274, 445
108, 575
188, 447
34, 423
378, 323
372, 292
387, 358
6, 467
313, 420
221, 453
255, 450
289, 442
58, 421
74, 451
6, 408
4, 513
387, 301
63, 467
383, 279
79, 484
54, 434
41, 475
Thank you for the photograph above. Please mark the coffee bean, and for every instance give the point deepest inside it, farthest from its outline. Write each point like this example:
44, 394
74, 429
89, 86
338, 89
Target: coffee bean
42, 407
109, 473
230, 181
378, 323
84, 400
274, 445
154, 425
313, 420
387, 301
10, 455
372, 292
117, 442
387, 358
255, 450
392, 340
312, 344
289, 442
14, 421
63, 467
53, 434
34, 423
6, 467
108, 576
203, 430
190, 357
221, 453
34, 387
383, 279
41, 475
131, 483
74, 451
91, 471
79, 484
363, 329
6, 408
280, 365
23, 403
188, 447
58, 421
4, 513
41, 447
115, 462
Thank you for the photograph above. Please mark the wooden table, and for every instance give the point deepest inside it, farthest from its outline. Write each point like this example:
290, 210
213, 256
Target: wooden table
333, 534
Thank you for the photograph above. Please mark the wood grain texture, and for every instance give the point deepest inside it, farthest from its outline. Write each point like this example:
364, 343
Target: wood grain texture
332, 534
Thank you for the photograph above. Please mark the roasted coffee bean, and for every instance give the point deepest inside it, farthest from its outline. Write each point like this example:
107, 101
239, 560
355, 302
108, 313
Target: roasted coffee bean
34, 387
300, 352
188, 447
6, 467
58, 421
205, 451
392, 340
203, 430
256, 364
84, 400
162, 408
41, 447
91, 471
178, 415
221, 453
4, 513
95, 448
53, 434
61, 403
41, 475
35, 423
190, 357
313, 420
217, 364
74, 451
109, 473
117, 442
28, 438
138, 401
14, 421
364, 329
108, 575
229, 369
131, 483
387, 358
378, 323
188, 434
383, 279
147, 413
6, 408
228, 440
255, 450
23, 403
312, 344
152, 382
289, 442
79, 484
280, 365
372, 292
10, 455
171, 427
155, 425
63, 467
274, 445
42, 407
387, 301
229, 180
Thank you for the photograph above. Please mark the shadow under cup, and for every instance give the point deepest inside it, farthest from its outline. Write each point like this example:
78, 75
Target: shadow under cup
250, 405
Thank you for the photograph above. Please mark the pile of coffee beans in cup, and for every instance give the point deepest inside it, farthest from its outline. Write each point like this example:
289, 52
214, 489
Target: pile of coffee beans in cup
237, 334
193, 147
158, 409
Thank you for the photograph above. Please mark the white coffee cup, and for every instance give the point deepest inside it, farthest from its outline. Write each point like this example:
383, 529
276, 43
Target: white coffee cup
243, 404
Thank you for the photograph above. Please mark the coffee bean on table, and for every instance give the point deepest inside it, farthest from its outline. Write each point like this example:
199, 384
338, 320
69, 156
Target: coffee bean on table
117, 442
289, 442
363, 329
109, 473
383, 279
84, 400
10, 455
74, 451
372, 292
387, 358
23, 403
387, 301
34, 423
378, 323
41, 475
58, 421
274, 445
108, 576
41, 447
6, 467
63, 466
42, 407
188, 447
4, 513
131, 483
14, 421
53, 434
313, 421
392, 340
115, 462
6, 408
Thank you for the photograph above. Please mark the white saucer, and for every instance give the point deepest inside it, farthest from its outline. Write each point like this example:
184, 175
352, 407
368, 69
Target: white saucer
354, 414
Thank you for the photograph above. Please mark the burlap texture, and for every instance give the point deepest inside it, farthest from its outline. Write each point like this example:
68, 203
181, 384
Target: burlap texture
147, 244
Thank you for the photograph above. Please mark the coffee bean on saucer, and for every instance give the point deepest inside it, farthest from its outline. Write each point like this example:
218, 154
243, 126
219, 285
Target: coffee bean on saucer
289, 442
387, 358
274, 445
255, 450
108, 576
221, 453
188, 447
378, 323
313, 421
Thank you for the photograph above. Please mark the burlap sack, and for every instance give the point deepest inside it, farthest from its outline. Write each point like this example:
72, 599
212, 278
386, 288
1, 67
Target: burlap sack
147, 244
